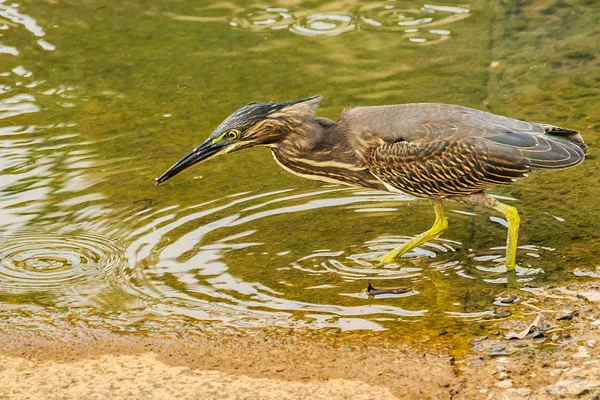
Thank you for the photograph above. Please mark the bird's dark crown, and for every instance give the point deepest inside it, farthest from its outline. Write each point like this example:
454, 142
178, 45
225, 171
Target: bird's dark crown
259, 122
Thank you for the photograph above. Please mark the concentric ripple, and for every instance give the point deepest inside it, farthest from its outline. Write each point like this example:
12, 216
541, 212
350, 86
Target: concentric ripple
263, 18
48, 262
401, 16
424, 25
329, 24
299, 22
366, 265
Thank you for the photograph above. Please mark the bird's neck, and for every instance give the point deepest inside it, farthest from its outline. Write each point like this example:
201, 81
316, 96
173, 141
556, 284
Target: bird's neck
318, 150
303, 137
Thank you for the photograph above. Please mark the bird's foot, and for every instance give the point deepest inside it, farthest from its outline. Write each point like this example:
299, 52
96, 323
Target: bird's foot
397, 253
386, 259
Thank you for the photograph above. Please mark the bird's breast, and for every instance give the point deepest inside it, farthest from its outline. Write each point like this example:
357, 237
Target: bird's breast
331, 171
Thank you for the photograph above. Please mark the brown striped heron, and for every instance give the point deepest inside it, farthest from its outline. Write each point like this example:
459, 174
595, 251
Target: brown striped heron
432, 151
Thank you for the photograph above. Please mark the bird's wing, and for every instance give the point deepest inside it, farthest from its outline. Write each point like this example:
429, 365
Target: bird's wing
542, 146
445, 167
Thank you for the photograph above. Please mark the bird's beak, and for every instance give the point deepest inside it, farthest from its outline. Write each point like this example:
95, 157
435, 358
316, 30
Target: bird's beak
201, 153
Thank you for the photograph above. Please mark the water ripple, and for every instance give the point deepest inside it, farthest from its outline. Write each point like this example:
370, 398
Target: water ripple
263, 18
330, 24
421, 25
418, 25
10, 16
197, 256
17, 105
223, 260
49, 262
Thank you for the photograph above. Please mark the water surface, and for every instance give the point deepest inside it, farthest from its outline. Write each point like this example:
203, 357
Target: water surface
99, 98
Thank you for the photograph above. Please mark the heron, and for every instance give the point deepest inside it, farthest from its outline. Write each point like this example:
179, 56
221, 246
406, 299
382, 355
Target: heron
425, 150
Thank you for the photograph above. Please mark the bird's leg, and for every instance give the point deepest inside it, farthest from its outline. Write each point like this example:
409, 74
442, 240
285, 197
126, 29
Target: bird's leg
439, 226
512, 217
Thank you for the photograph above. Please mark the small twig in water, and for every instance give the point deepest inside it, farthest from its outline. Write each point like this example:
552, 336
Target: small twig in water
375, 292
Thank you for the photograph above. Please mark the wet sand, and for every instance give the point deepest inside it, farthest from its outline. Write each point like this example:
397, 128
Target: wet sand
96, 364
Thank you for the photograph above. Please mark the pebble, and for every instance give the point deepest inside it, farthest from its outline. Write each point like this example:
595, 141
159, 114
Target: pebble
591, 343
502, 376
521, 392
508, 298
556, 372
565, 315
576, 373
524, 392
478, 339
591, 296
562, 364
505, 384
571, 387
581, 353
502, 312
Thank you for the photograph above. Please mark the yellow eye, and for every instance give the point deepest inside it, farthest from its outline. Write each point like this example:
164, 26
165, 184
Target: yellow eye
232, 134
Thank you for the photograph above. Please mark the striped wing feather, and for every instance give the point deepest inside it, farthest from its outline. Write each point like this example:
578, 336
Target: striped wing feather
445, 167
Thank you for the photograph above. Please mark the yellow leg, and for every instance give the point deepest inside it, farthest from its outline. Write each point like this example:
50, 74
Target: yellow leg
439, 226
512, 217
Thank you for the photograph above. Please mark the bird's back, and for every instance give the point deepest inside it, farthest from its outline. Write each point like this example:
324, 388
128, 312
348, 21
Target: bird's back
440, 150
546, 146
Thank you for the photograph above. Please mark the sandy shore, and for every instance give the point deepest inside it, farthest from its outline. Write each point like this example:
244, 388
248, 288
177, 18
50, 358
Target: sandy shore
108, 365
143, 376
556, 355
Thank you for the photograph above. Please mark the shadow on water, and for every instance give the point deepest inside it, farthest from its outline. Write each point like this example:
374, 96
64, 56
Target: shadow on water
97, 101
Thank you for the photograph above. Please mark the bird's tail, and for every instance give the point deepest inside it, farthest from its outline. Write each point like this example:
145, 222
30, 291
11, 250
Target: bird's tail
570, 134
558, 148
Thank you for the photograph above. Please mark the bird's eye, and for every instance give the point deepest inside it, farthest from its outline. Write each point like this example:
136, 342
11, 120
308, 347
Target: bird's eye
232, 134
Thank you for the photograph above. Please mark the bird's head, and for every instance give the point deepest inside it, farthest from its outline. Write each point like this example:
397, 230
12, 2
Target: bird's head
256, 124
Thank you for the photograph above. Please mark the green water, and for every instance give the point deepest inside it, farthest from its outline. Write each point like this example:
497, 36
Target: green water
98, 98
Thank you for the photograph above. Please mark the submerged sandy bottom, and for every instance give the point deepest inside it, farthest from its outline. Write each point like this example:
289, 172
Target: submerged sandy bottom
559, 358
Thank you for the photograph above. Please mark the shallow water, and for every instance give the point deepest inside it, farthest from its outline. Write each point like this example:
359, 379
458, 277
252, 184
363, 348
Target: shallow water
97, 99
